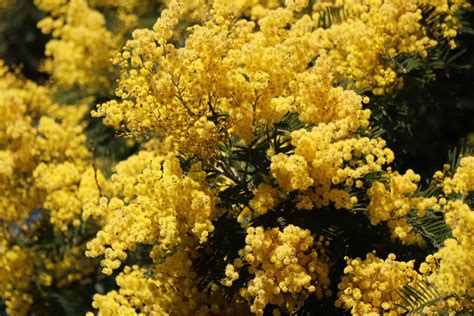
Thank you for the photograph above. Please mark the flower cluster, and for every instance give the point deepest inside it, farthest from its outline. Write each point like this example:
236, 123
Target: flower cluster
186, 89
243, 79
369, 287
36, 134
82, 45
329, 161
231, 77
169, 287
287, 267
79, 52
265, 197
361, 47
16, 270
393, 200
45, 176
462, 182
454, 273
153, 203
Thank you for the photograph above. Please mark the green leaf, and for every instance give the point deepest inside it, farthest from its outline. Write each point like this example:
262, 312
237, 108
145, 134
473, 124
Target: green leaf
456, 155
334, 14
70, 301
416, 298
432, 227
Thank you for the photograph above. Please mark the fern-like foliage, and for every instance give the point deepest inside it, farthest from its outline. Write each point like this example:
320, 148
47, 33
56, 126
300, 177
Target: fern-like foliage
222, 248
332, 14
106, 145
414, 299
440, 57
416, 117
456, 154
68, 301
246, 165
432, 227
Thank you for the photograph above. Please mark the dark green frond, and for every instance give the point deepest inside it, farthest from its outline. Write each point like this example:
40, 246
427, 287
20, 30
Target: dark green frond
455, 156
221, 249
432, 227
416, 298
333, 14
290, 122
374, 131
69, 301
105, 144
248, 165
433, 189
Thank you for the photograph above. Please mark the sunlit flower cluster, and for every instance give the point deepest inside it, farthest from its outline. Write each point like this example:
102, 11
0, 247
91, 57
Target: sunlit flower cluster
369, 287
327, 161
378, 31
154, 203
462, 182
16, 270
455, 273
82, 44
287, 266
242, 79
170, 287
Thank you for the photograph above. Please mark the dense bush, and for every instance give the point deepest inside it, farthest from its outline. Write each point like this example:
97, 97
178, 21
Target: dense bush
236, 157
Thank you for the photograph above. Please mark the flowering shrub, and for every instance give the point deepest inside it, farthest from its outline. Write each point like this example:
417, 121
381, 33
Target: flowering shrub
255, 177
